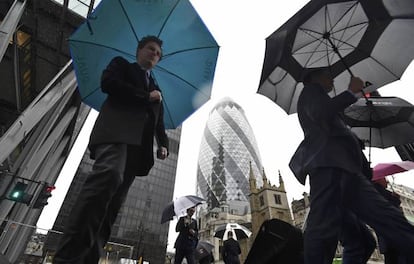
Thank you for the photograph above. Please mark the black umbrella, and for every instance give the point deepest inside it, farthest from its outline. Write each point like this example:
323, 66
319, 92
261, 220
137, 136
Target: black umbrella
373, 39
179, 206
203, 249
382, 121
239, 231
276, 242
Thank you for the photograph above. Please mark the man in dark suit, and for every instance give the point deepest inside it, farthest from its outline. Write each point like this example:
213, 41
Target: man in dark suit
331, 154
231, 250
187, 239
122, 145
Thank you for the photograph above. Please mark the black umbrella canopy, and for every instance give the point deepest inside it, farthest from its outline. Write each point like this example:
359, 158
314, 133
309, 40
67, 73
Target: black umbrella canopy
382, 121
240, 231
203, 249
378, 112
372, 39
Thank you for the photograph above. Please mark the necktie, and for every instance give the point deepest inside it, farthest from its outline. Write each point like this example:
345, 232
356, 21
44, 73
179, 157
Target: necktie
147, 77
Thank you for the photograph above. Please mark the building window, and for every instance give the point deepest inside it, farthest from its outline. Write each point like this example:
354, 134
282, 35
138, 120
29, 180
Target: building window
278, 199
261, 200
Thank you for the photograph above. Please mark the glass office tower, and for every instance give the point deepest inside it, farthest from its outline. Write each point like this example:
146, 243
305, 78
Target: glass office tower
228, 147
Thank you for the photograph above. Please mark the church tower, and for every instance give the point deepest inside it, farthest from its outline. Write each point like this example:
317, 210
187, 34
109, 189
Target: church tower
268, 202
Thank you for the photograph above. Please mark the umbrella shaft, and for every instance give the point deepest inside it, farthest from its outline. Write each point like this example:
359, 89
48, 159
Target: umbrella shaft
335, 49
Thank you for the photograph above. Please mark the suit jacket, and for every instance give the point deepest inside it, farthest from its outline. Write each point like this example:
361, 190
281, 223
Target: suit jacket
231, 251
328, 141
186, 240
127, 116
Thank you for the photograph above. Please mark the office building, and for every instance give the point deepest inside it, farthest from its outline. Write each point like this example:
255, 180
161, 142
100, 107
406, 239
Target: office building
227, 149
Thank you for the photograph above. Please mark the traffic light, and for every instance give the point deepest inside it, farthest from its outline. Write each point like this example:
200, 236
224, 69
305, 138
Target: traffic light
19, 195
44, 194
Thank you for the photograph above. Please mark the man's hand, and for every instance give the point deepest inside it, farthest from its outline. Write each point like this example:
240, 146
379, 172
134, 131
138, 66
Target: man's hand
162, 153
355, 85
155, 96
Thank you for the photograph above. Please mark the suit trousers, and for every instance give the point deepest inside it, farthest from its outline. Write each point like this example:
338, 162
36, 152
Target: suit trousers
88, 227
333, 191
357, 240
184, 252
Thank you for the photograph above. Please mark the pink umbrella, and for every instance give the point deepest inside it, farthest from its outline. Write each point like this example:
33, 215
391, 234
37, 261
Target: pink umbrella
384, 169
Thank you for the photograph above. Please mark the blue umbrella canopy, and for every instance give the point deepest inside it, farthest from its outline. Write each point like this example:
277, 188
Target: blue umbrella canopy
186, 70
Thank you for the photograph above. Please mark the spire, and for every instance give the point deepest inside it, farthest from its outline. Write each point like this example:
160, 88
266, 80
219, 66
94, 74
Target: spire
265, 180
252, 179
281, 183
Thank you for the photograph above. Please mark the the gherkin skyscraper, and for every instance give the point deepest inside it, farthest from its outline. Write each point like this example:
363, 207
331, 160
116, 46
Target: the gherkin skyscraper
228, 150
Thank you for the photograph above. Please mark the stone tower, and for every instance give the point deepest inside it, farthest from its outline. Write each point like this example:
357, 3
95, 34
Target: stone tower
268, 202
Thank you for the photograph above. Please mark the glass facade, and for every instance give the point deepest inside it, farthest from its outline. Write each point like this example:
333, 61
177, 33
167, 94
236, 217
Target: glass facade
227, 149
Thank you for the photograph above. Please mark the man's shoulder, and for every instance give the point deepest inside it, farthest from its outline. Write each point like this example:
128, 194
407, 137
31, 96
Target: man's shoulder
231, 241
313, 88
121, 61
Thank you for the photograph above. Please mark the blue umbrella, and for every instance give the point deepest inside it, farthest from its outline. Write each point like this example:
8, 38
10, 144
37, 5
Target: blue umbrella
186, 70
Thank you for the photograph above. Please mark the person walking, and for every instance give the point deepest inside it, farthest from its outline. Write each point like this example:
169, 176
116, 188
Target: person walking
332, 157
121, 143
187, 239
231, 250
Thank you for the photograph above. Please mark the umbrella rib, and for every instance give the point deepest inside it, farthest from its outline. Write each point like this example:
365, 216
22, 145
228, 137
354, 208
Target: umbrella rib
306, 31
186, 50
341, 41
348, 25
167, 18
326, 18
178, 77
129, 21
342, 16
328, 21
316, 39
373, 58
100, 45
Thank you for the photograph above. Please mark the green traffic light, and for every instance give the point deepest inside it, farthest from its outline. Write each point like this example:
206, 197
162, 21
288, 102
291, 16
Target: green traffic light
16, 194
